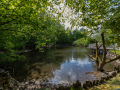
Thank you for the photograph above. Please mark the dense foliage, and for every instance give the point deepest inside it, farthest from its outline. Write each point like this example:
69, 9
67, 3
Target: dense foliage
67, 36
83, 41
24, 24
99, 16
27, 24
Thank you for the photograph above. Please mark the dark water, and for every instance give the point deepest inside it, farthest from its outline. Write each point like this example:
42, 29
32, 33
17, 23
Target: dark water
57, 65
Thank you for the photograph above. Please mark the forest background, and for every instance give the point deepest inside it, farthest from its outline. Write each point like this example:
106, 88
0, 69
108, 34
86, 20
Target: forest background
29, 24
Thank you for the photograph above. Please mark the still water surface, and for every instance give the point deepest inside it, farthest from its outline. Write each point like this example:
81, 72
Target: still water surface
57, 65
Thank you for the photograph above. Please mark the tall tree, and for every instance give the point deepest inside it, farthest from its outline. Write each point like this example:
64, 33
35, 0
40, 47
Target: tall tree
25, 23
96, 14
92, 13
101, 62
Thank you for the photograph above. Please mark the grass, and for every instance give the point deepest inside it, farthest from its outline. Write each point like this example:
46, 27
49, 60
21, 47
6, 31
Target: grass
111, 84
117, 51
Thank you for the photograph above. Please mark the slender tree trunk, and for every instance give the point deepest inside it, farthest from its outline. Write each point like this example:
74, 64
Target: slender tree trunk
101, 65
97, 62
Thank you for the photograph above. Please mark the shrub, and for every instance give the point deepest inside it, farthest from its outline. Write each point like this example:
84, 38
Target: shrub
83, 41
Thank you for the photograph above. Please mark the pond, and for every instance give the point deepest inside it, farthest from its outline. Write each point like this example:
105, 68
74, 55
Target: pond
57, 65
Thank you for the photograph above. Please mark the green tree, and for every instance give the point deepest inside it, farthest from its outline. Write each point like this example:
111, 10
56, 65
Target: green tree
78, 34
25, 24
96, 15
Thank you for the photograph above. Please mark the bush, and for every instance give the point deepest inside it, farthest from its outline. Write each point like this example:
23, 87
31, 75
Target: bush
83, 41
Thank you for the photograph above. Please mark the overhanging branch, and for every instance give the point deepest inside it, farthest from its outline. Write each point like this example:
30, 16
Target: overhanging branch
100, 46
112, 59
13, 30
25, 18
91, 56
3, 23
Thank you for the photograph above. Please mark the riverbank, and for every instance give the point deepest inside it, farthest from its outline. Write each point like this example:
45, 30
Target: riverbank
113, 83
89, 85
34, 71
63, 45
47, 46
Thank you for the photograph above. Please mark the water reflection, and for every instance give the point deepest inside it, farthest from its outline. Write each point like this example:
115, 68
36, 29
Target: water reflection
57, 65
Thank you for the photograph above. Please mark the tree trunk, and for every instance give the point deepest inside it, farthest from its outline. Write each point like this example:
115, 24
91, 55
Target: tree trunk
101, 65
103, 61
97, 62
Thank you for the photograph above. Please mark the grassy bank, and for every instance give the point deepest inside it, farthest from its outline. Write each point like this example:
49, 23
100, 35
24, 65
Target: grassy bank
113, 83
117, 51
